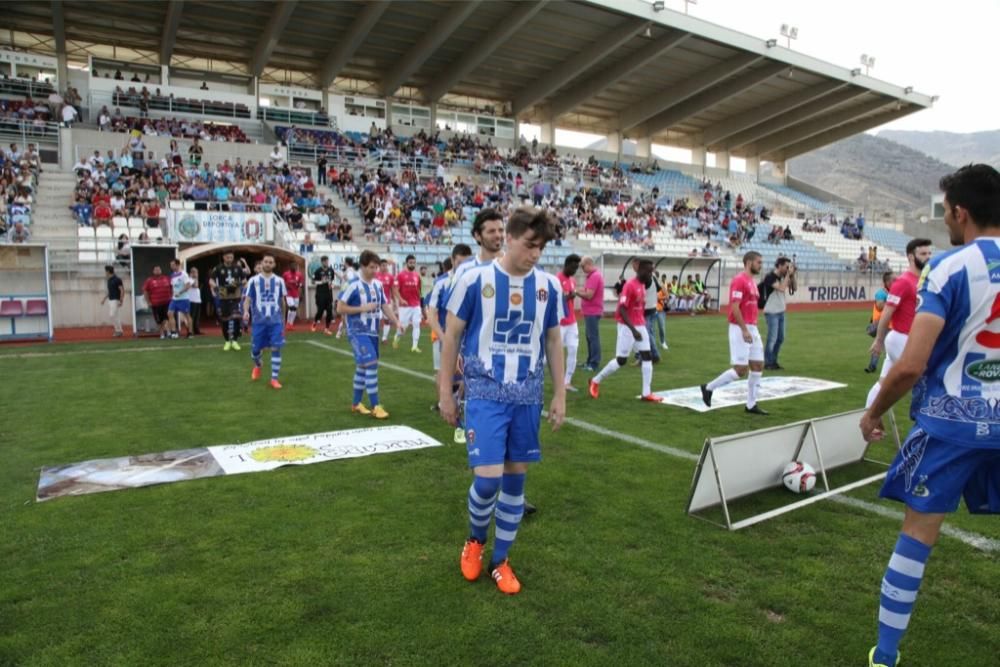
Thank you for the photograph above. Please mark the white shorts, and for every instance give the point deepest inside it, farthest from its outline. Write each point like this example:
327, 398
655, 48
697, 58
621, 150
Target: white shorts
741, 353
436, 354
570, 335
409, 316
626, 343
894, 344
292, 301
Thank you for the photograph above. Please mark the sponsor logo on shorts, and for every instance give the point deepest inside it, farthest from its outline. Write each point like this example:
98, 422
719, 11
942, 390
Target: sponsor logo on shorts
470, 437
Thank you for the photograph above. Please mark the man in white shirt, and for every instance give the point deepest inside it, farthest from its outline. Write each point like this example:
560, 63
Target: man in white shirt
68, 115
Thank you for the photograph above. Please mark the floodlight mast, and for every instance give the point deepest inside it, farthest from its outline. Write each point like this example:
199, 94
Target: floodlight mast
789, 32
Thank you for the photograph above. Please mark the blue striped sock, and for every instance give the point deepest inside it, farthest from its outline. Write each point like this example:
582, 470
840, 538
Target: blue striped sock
256, 354
482, 498
359, 385
899, 593
371, 384
275, 364
510, 509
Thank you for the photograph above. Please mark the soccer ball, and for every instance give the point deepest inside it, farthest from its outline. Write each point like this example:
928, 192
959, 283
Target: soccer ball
798, 477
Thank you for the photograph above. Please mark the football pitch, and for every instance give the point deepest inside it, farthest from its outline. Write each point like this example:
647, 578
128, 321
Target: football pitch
355, 562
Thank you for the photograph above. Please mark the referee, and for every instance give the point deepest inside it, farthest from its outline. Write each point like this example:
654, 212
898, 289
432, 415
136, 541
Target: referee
323, 278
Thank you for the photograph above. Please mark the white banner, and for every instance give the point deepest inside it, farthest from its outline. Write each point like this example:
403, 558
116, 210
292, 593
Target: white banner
219, 227
772, 387
129, 472
318, 447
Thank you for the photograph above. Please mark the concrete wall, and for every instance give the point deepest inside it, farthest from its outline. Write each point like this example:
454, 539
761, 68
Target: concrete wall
932, 229
80, 141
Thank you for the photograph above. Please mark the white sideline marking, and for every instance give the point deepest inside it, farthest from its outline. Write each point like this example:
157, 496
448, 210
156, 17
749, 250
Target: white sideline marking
178, 346
974, 540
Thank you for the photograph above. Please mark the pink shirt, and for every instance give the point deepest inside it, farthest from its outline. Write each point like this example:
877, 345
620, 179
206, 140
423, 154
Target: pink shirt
903, 295
743, 290
595, 304
568, 287
387, 281
633, 297
408, 283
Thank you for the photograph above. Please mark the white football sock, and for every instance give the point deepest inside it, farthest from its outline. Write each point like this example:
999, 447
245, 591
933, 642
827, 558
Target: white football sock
647, 377
728, 376
753, 388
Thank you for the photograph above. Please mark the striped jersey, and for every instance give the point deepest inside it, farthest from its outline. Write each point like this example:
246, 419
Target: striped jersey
359, 293
958, 397
439, 297
507, 319
473, 263
267, 298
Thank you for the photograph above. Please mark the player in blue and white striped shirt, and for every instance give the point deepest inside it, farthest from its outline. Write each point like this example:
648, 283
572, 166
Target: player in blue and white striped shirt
505, 318
437, 315
952, 362
265, 300
363, 303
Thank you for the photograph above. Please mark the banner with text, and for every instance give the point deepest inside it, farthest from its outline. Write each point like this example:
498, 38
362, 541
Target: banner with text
771, 387
128, 472
219, 227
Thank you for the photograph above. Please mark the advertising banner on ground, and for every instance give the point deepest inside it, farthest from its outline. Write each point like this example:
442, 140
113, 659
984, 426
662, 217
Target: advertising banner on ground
128, 472
772, 387
219, 226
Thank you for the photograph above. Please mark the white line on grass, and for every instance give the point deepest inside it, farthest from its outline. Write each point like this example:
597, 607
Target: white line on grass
159, 348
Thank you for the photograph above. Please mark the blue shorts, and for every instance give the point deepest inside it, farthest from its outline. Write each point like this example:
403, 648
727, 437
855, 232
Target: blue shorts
267, 335
931, 476
180, 306
365, 349
499, 432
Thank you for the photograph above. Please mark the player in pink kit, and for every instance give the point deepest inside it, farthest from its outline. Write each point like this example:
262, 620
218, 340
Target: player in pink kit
407, 295
746, 350
388, 282
632, 333
567, 325
294, 282
900, 309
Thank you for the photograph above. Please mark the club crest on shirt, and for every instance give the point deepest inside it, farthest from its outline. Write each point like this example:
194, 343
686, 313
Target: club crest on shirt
542, 295
488, 291
516, 299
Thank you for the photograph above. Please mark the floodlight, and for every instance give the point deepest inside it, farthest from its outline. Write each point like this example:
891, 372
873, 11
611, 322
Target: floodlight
908, 90
659, 6
771, 43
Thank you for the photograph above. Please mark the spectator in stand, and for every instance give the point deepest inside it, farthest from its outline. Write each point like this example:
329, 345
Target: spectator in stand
124, 250
104, 120
592, 306
18, 233
115, 298
277, 158
321, 172
195, 152
157, 291
69, 115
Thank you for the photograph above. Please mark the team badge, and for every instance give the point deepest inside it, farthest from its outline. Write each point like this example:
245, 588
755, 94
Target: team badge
516, 299
542, 295
488, 291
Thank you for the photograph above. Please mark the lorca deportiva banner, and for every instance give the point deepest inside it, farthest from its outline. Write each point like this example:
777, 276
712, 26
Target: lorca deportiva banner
129, 472
219, 227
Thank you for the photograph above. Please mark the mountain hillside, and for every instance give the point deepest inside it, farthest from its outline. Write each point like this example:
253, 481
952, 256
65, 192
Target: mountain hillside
874, 172
951, 147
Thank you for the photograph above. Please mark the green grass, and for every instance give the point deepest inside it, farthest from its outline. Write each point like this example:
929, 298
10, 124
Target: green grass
355, 562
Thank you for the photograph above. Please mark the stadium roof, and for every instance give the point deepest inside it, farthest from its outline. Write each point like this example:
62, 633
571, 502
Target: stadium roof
592, 65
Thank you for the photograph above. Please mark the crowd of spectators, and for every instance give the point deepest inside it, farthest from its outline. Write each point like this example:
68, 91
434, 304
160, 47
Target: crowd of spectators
144, 100
180, 128
19, 171
133, 182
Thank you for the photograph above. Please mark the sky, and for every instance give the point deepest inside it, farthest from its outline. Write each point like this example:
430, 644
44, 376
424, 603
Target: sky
943, 49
